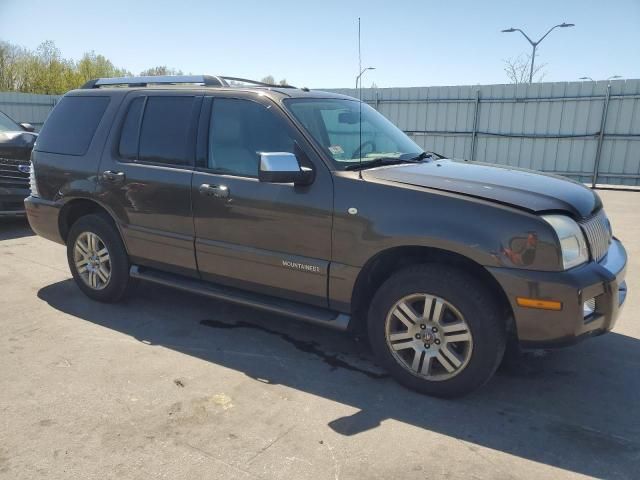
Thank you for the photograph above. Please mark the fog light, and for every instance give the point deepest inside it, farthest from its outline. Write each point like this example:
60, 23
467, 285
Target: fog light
589, 307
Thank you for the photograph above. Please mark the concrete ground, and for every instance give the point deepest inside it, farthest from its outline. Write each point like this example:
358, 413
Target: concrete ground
171, 385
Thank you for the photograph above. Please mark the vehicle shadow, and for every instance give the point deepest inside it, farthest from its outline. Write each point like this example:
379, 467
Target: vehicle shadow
576, 409
14, 228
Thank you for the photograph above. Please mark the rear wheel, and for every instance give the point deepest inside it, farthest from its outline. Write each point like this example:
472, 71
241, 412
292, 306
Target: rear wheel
437, 330
97, 258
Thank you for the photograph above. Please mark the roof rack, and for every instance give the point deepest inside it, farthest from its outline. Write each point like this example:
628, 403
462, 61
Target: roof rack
254, 82
206, 80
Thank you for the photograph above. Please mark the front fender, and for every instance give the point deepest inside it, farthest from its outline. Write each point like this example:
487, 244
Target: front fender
390, 216
387, 217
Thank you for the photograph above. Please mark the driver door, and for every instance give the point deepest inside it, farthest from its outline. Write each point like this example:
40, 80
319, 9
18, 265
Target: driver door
265, 237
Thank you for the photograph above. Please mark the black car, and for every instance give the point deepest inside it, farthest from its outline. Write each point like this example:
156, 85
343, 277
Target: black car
16, 143
315, 206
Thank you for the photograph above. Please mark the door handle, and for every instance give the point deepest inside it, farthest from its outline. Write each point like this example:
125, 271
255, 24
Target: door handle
113, 177
218, 191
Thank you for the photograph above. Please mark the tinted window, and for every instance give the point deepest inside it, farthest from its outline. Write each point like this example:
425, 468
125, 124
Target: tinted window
129, 137
165, 130
71, 125
240, 130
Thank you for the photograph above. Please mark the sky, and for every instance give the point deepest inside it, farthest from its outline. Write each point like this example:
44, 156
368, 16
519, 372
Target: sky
314, 44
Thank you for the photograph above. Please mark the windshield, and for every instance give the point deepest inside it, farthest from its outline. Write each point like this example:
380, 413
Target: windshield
335, 125
8, 125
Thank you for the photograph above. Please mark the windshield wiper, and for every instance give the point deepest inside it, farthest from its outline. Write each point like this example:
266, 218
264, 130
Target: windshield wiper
425, 155
377, 162
382, 161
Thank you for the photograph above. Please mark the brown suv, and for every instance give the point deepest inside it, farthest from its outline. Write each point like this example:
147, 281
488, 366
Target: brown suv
313, 205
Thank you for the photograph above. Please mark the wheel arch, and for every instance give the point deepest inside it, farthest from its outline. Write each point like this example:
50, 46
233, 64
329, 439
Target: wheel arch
76, 208
385, 263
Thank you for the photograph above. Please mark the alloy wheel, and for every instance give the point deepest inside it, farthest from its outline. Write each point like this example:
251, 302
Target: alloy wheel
428, 337
92, 260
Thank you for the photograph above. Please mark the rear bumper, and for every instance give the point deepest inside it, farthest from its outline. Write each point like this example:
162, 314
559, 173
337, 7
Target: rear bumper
43, 218
604, 281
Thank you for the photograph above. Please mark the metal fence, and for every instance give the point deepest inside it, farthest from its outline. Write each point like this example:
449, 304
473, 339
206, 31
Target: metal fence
27, 107
589, 131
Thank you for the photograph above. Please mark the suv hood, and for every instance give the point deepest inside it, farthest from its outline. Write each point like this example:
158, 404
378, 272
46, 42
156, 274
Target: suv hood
524, 189
17, 145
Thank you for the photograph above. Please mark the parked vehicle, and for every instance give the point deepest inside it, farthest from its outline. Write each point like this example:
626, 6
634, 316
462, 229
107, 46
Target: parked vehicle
315, 206
16, 142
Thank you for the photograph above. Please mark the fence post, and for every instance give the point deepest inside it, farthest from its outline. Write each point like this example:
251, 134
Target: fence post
475, 126
377, 100
603, 123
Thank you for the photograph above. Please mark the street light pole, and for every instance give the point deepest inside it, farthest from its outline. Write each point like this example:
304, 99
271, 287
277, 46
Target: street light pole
535, 44
358, 78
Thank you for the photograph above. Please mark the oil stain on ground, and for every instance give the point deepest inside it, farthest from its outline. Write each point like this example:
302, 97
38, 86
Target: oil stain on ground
333, 360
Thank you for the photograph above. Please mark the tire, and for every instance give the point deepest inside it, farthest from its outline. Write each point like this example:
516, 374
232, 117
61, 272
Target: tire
81, 255
463, 330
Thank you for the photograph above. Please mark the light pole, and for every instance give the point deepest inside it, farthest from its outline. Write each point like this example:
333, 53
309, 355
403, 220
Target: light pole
612, 77
535, 44
358, 78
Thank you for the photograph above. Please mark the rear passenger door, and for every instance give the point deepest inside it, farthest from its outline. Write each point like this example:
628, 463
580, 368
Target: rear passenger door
145, 177
265, 237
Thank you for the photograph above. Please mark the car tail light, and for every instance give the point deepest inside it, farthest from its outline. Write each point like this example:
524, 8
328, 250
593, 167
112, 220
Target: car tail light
33, 185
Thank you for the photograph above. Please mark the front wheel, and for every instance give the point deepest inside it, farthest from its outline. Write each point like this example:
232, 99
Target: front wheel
437, 330
97, 258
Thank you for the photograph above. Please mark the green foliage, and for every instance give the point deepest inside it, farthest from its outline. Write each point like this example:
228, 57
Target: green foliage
44, 70
161, 70
272, 81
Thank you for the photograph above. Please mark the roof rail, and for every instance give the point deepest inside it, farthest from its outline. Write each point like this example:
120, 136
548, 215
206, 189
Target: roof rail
206, 80
254, 82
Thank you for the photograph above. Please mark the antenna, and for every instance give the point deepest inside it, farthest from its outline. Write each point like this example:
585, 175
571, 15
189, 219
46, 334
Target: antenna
360, 103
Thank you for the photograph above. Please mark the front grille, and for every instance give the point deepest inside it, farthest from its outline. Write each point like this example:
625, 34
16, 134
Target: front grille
11, 176
598, 231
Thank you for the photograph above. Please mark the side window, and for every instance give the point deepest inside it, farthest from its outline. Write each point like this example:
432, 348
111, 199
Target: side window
239, 131
164, 133
71, 125
128, 147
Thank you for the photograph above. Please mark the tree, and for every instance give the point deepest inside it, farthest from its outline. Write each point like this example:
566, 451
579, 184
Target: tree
92, 66
11, 57
268, 79
517, 69
158, 71
45, 70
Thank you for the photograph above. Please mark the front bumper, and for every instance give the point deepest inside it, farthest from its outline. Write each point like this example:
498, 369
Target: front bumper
604, 281
11, 201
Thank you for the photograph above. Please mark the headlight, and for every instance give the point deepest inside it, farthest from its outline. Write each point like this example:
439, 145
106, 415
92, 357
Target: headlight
572, 242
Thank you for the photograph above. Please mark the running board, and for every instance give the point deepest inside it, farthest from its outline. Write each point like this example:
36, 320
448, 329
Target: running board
307, 313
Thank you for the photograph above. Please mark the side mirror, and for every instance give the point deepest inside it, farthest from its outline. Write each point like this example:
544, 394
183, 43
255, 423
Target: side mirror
283, 167
27, 127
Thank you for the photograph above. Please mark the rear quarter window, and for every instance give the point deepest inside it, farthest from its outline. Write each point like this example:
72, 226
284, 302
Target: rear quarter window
71, 125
